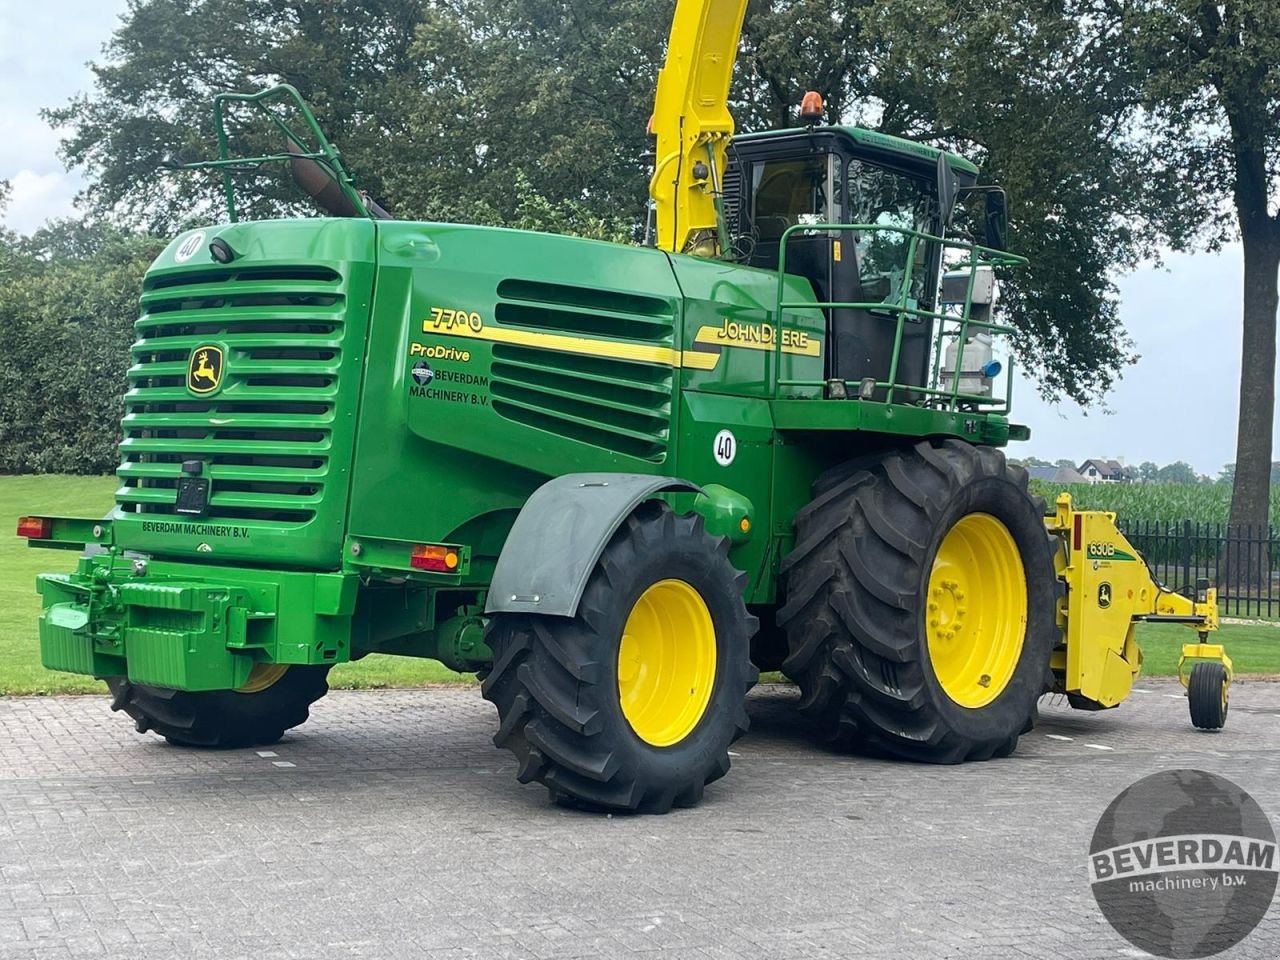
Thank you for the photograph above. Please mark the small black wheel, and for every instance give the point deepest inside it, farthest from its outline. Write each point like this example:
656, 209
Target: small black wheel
276, 698
1208, 694
632, 704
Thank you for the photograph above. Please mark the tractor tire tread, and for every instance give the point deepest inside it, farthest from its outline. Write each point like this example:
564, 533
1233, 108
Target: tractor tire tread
222, 719
547, 682
852, 588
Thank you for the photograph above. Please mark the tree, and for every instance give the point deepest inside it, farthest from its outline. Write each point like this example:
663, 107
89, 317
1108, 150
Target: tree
1212, 92
1148, 471
68, 300
442, 106
437, 107
1065, 464
1228, 473
1179, 472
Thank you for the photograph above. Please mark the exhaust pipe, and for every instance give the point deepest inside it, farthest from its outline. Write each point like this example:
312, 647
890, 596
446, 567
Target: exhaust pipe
319, 184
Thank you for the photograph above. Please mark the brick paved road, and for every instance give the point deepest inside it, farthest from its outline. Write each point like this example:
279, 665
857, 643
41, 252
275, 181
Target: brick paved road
389, 827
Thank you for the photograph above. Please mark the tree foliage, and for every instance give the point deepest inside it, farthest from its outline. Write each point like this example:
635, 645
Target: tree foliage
1211, 92
68, 299
488, 111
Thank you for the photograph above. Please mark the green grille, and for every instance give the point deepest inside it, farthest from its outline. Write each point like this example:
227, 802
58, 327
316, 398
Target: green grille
618, 405
266, 436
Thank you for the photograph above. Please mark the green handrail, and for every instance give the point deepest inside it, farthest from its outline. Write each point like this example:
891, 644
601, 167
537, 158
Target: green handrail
326, 153
978, 256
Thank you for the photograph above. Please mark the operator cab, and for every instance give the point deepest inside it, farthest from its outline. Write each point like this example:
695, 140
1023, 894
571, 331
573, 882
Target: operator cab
824, 175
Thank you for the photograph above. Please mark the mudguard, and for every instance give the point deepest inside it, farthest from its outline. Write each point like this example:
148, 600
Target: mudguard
559, 535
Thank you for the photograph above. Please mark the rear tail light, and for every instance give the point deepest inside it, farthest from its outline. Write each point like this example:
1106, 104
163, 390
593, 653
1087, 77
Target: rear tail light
434, 557
35, 528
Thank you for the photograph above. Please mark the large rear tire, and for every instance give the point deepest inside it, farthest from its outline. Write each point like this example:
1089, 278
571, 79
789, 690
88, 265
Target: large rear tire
275, 699
921, 604
632, 704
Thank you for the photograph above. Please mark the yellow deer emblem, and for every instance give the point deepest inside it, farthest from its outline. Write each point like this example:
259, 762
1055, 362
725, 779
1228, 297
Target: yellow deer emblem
204, 370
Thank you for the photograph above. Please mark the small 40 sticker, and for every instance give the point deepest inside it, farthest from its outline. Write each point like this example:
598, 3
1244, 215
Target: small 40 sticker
725, 447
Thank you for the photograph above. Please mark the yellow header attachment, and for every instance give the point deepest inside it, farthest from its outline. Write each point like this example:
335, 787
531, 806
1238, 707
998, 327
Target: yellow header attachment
692, 122
1109, 589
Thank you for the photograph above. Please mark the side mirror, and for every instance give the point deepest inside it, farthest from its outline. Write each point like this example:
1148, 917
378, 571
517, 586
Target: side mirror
948, 188
997, 220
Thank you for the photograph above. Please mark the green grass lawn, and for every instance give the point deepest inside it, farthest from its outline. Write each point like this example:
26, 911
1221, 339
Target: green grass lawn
1255, 649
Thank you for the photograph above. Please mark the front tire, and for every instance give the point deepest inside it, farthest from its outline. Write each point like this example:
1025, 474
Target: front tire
276, 698
1208, 696
632, 704
921, 604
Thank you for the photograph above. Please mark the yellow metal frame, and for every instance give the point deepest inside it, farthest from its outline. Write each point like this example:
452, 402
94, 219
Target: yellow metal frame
1193, 653
693, 125
1109, 590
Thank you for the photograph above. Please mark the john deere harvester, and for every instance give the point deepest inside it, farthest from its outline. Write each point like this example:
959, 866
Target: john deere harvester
614, 481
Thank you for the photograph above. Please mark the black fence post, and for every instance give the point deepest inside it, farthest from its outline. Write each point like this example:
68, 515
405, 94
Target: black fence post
1186, 553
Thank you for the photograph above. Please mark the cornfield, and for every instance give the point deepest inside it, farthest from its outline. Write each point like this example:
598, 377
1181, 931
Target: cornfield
1205, 503
1181, 531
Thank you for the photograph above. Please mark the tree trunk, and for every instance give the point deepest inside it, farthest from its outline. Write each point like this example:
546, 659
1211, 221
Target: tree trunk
1251, 490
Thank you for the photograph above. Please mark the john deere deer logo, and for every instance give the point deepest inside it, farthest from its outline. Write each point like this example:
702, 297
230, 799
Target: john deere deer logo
204, 369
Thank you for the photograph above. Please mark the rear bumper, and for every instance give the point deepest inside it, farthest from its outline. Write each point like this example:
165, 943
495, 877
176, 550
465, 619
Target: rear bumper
189, 626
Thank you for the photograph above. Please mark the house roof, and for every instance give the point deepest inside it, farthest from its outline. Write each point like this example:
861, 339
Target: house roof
1055, 474
1106, 468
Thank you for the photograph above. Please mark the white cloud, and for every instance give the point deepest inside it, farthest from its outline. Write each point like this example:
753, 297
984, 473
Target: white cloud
38, 197
1180, 401
44, 49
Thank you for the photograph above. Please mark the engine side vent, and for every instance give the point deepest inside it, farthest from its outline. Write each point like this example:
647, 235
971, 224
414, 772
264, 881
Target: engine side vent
617, 405
584, 310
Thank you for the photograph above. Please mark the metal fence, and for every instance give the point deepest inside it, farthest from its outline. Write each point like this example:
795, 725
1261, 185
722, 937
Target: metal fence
1242, 561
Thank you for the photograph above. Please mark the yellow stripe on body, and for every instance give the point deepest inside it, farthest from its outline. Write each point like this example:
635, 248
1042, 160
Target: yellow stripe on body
640, 353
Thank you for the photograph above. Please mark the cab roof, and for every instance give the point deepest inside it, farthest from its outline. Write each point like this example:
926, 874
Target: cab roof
876, 140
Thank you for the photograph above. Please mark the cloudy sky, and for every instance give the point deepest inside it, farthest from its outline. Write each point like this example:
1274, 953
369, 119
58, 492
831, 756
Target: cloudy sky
1178, 403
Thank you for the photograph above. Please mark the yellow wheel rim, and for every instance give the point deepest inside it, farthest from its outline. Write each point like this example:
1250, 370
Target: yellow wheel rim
262, 676
666, 663
976, 611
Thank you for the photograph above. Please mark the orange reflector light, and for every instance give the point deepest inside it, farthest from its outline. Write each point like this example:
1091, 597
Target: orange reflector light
35, 528
433, 556
811, 107
744, 525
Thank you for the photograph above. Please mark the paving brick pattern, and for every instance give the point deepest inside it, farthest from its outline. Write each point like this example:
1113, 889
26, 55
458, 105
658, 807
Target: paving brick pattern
389, 827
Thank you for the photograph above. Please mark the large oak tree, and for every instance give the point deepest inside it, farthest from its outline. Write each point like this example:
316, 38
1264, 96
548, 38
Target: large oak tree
533, 112
1212, 93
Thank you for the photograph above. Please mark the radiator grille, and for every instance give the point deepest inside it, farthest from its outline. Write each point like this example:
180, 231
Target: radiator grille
265, 437
615, 404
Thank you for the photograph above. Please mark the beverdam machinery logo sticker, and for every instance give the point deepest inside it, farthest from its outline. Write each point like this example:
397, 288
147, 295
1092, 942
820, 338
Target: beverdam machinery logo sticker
1183, 864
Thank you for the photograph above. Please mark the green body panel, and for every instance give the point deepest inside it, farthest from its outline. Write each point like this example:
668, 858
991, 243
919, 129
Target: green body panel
191, 627
390, 384
291, 315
